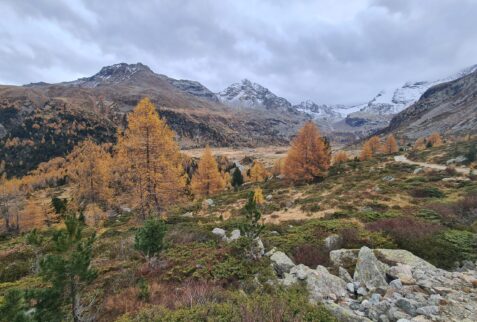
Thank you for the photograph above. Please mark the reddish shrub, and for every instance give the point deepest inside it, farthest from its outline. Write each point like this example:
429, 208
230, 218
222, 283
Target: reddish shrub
463, 211
310, 255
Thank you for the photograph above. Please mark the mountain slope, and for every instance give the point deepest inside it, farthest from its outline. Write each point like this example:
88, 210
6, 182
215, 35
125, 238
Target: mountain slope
449, 108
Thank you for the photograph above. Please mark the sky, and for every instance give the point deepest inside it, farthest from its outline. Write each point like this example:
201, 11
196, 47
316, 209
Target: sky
329, 51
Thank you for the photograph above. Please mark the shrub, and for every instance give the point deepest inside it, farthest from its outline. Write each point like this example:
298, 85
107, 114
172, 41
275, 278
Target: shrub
427, 192
149, 238
310, 255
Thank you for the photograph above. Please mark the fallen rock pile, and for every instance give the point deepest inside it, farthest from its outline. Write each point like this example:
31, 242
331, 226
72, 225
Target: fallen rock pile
385, 285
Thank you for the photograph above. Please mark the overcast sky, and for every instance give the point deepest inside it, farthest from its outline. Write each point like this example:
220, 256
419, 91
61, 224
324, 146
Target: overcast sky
329, 51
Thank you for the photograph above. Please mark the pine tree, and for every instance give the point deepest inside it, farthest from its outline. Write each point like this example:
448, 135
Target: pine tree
308, 157
366, 152
237, 178
149, 238
67, 271
258, 173
149, 157
251, 228
390, 145
89, 171
340, 157
207, 179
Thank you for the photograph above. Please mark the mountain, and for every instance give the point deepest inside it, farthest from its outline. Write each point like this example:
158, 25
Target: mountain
248, 95
449, 108
40, 121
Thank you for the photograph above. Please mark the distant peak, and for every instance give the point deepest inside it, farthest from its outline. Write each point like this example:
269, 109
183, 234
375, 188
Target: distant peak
123, 67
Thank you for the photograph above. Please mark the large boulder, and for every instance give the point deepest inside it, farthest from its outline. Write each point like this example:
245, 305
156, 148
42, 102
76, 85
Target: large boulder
322, 285
218, 232
393, 257
281, 263
333, 242
402, 272
345, 258
369, 271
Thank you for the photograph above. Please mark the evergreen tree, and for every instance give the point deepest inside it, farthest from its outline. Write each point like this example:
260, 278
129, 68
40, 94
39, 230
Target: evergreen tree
14, 307
308, 158
251, 228
237, 178
67, 271
207, 179
149, 238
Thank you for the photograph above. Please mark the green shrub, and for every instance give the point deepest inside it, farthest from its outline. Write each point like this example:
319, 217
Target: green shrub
427, 192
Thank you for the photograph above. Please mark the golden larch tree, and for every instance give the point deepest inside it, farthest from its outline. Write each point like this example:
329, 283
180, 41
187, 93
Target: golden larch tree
258, 173
207, 179
258, 196
375, 144
420, 144
390, 146
366, 152
308, 157
340, 157
149, 152
89, 170
435, 139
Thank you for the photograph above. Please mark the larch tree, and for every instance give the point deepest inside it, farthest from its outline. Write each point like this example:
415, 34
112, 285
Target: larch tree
308, 157
340, 157
366, 152
435, 139
90, 172
150, 159
375, 144
258, 172
207, 179
390, 146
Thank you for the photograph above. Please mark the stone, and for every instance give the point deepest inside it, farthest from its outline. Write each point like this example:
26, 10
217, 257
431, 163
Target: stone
333, 242
396, 284
343, 273
428, 310
125, 209
260, 246
322, 285
375, 298
234, 235
418, 170
420, 318
300, 271
281, 262
388, 178
369, 271
188, 215
269, 197
407, 305
346, 258
344, 314
207, 203
395, 256
219, 232
350, 287
361, 291
288, 279
402, 272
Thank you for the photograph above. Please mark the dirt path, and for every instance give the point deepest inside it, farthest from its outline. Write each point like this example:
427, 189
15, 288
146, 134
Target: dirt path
403, 159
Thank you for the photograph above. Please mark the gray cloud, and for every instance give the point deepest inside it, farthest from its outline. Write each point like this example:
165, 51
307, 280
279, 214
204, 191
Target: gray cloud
329, 51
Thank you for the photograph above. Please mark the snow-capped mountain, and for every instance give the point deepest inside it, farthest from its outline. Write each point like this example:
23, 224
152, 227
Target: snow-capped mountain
394, 101
114, 74
246, 94
323, 112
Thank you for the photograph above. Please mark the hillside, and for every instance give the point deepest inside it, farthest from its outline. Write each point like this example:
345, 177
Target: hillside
39, 121
448, 108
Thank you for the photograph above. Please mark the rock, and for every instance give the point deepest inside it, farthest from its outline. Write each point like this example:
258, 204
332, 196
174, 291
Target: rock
188, 215
428, 310
350, 287
207, 203
281, 262
388, 178
394, 256
344, 314
346, 258
333, 242
458, 159
300, 271
125, 209
402, 272
418, 170
271, 252
234, 235
375, 298
420, 318
219, 232
288, 279
403, 320
361, 291
260, 246
343, 273
289, 204
369, 271
396, 284
322, 285
269, 197
407, 305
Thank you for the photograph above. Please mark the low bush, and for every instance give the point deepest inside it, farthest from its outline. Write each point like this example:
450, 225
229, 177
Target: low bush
426, 192
311, 255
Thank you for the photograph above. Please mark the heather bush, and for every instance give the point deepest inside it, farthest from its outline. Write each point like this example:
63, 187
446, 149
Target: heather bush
426, 192
310, 255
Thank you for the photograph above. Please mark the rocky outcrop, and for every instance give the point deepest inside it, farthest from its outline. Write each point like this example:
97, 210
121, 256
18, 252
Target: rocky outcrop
389, 285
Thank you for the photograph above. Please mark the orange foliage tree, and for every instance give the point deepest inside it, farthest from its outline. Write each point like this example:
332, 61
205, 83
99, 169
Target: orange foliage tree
258, 172
89, 170
340, 157
390, 145
374, 144
308, 157
207, 179
366, 152
435, 139
149, 156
